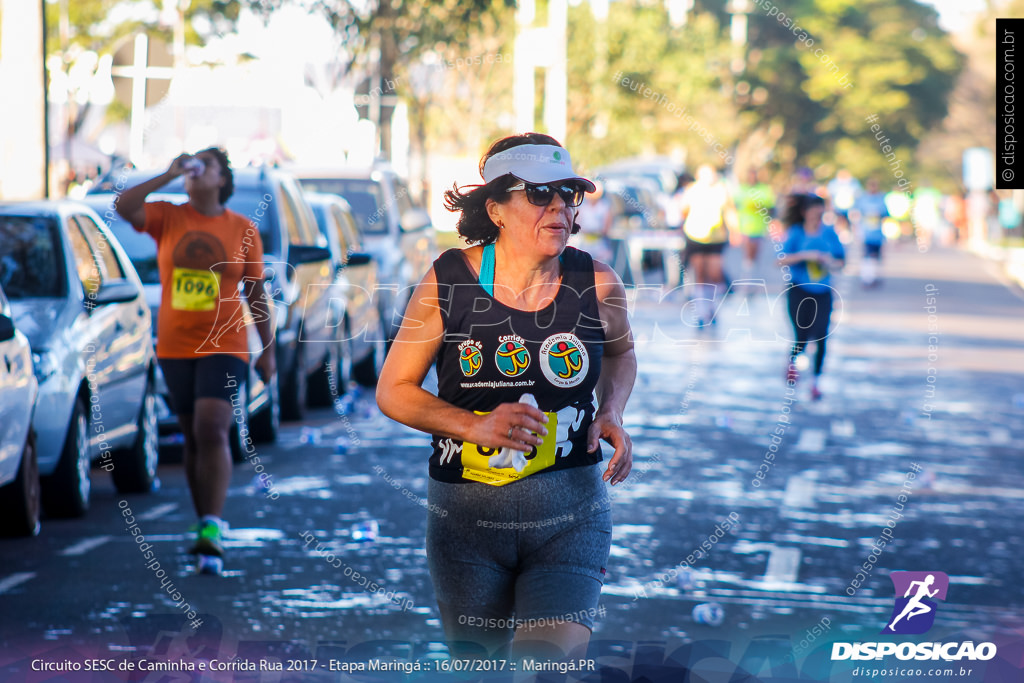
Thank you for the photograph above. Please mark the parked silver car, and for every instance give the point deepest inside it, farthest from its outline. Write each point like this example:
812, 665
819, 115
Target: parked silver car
361, 329
77, 298
19, 468
399, 234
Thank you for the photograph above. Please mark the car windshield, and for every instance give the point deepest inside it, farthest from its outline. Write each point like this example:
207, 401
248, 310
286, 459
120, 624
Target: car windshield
30, 257
363, 195
251, 202
320, 212
140, 247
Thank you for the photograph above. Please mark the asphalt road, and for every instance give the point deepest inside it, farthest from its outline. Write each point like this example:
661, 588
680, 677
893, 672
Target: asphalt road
937, 392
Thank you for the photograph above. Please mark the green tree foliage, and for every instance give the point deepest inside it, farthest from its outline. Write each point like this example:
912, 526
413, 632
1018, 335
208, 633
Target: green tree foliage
638, 86
460, 94
850, 59
801, 95
99, 25
971, 121
103, 26
399, 31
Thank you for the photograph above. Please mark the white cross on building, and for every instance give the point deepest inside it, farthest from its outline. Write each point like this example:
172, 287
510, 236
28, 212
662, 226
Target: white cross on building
139, 71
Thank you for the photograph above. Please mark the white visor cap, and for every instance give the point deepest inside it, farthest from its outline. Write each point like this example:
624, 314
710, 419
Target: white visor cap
536, 164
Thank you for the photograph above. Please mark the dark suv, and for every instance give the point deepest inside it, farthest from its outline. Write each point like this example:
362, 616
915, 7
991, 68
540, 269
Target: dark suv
399, 234
300, 279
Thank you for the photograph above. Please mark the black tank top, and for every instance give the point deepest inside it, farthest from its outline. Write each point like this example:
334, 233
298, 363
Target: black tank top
493, 354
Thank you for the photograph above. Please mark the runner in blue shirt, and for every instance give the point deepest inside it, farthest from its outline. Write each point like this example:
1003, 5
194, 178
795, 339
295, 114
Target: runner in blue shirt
869, 212
812, 251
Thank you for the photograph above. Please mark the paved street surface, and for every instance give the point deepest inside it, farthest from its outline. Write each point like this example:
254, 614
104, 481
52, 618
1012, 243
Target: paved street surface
937, 393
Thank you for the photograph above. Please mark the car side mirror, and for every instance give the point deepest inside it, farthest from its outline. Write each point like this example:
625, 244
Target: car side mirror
414, 219
359, 258
115, 292
300, 254
6, 328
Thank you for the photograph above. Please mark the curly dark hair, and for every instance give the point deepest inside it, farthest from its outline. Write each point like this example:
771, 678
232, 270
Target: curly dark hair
228, 188
475, 225
795, 210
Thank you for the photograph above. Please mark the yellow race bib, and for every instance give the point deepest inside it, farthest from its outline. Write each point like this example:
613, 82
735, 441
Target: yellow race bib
194, 290
475, 465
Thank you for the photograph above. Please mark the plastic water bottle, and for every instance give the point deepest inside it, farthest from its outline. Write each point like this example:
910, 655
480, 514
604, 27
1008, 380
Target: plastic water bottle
343, 404
194, 167
341, 445
365, 531
686, 580
310, 436
260, 483
709, 613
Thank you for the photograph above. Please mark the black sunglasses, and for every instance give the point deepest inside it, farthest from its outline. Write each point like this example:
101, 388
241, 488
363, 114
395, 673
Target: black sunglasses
541, 195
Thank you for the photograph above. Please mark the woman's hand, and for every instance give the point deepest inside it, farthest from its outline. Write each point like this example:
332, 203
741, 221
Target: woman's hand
606, 427
177, 166
831, 262
822, 258
511, 425
266, 365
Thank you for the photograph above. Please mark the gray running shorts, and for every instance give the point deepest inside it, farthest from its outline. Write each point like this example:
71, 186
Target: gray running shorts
530, 553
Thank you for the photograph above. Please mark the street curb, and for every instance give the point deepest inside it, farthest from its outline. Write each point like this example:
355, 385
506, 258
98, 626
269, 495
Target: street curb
1012, 259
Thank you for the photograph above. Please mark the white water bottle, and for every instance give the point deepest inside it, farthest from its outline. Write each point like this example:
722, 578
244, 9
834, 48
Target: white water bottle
509, 457
194, 167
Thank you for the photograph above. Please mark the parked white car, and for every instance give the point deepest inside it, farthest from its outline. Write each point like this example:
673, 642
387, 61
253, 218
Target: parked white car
19, 469
356, 276
77, 298
398, 233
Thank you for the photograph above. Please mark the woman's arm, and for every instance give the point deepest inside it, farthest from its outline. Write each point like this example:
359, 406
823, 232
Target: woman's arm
799, 256
131, 203
618, 373
792, 254
401, 396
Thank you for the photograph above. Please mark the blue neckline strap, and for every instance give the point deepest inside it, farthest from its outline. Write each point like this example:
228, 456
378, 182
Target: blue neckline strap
487, 269
486, 277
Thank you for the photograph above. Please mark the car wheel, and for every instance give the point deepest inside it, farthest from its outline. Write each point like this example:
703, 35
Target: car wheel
135, 467
264, 425
367, 371
19, 500
345, 371
66, 491
293, 388
328, 383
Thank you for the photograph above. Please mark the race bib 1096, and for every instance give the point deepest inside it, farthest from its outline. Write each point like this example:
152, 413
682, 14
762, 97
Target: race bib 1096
194, 290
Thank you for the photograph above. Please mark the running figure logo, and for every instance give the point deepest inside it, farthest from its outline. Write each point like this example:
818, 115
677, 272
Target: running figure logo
564, 360
512, 358
914, 613
470, 357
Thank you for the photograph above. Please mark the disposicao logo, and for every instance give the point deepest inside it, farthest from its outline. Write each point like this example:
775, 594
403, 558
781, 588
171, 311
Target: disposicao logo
914, 612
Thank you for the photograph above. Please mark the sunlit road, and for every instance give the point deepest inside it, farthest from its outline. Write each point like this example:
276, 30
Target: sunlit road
703, 416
